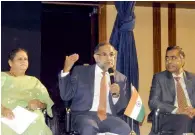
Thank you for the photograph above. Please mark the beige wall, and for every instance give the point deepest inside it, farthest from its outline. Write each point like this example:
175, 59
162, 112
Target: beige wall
185, 35
111, 16
144, 43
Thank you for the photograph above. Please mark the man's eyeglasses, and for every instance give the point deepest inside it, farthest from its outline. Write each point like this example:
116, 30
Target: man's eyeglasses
171, 58
105, 55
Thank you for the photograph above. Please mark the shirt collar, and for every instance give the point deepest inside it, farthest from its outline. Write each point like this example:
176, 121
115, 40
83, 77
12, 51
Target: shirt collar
180, 75
98, 70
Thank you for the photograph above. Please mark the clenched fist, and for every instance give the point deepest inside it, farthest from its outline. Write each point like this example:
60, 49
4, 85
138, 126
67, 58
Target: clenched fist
69, 62
114, 88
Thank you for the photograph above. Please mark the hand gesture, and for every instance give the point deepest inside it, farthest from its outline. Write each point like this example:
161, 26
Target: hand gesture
6, 112
69, 62
190, 111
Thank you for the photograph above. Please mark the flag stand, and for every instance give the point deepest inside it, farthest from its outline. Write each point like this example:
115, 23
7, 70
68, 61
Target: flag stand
132, 131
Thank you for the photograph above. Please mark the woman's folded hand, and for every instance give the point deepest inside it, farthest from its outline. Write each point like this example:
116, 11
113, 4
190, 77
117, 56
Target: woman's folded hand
35, 104
6, 112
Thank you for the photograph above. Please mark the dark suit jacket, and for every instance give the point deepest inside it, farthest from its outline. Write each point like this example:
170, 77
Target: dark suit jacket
79, 86
162, 93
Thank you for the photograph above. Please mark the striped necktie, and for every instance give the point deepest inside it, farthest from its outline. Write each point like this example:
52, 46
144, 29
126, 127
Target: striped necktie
103, 95
181, 99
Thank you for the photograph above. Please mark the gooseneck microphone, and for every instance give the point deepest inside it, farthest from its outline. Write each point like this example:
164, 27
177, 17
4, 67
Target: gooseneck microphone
111, 73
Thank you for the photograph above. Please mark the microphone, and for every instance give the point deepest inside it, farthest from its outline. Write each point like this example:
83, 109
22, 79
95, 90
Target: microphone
111, 73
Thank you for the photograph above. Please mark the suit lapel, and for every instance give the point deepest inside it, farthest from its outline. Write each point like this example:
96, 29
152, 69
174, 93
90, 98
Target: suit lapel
188, 83
91, 79
170, 83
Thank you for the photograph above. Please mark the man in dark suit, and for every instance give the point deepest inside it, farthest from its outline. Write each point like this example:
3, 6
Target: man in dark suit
173, 91
84, 86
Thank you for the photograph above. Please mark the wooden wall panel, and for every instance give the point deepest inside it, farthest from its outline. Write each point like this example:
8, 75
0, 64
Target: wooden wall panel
156, 37
102, 23
171, 24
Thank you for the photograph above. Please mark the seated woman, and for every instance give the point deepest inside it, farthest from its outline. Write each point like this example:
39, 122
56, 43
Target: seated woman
18, 89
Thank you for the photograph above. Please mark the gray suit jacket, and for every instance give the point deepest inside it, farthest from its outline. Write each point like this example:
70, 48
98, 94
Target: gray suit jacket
162, 93
79, 86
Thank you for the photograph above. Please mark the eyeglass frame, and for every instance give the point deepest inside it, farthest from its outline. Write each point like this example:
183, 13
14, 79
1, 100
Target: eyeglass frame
172, 58
112, 55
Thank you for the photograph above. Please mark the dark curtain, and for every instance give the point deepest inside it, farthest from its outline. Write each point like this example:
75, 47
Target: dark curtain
122, 38
21, 28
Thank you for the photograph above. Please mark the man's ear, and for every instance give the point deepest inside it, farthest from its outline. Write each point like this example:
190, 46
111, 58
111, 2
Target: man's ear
183, 62
95, 57
10, 63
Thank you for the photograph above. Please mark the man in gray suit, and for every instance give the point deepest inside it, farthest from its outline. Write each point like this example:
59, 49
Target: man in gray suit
168, 87
82, 86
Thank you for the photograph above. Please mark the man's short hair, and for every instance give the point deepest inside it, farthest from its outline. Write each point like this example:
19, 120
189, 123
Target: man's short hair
100, 45
181, 52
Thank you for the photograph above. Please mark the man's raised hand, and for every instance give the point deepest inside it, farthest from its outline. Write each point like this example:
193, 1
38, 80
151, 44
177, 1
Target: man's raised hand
69, 62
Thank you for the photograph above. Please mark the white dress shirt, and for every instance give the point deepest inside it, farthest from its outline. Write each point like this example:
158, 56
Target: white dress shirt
96, 97
183, 85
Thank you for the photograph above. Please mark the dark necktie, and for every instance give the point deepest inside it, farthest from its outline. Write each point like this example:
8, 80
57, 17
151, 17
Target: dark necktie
102, 102
181, 99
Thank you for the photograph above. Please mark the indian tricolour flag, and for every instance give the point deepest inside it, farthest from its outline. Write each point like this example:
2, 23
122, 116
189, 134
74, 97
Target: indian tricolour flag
135, 108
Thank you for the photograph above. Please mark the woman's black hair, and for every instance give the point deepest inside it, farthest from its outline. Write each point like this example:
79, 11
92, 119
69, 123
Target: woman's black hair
13, 53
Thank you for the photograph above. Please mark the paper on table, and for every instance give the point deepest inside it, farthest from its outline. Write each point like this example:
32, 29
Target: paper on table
23, 118
107, 133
